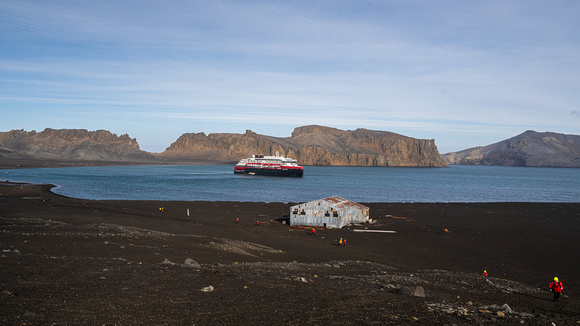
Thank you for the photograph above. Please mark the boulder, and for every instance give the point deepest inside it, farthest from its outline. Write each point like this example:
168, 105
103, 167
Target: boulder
415, 291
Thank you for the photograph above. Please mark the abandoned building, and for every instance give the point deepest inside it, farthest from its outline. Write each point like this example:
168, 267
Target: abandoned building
331, 212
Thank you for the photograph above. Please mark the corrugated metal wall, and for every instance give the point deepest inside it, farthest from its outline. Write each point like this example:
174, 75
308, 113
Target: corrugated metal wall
332, 212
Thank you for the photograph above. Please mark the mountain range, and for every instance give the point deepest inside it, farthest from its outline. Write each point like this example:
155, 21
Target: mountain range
310, 145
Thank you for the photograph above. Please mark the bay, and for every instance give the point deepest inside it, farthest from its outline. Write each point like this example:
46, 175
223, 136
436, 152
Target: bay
457, 183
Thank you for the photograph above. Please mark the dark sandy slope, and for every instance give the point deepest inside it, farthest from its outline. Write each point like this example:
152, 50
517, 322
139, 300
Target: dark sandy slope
121, 262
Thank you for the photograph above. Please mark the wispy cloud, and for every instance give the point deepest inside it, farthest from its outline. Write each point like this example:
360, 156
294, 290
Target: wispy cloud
449, 70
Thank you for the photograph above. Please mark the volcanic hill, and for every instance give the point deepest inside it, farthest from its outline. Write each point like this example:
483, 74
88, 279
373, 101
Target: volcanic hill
534, 149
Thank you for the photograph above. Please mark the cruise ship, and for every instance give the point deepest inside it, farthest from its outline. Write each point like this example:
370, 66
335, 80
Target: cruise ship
269, 165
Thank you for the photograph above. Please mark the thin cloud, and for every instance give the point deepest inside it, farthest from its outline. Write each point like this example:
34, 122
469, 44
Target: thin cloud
412, 67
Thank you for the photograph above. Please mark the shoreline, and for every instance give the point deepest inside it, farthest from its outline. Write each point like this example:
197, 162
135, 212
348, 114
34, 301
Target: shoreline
524, 243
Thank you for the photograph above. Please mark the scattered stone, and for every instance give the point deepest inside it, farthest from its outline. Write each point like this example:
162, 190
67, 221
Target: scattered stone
500, 314
191, 264
300, 279
8, 293
207, 289
167, 262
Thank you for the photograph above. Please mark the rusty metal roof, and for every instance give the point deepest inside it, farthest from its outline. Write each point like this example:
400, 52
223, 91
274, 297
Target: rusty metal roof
340, 202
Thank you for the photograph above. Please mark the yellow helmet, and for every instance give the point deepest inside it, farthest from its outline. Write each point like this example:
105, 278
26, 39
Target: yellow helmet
555, 279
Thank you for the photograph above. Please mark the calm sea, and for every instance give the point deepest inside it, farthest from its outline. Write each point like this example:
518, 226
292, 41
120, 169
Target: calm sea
362, 184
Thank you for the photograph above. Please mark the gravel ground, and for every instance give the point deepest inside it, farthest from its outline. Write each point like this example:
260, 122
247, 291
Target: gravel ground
68, 261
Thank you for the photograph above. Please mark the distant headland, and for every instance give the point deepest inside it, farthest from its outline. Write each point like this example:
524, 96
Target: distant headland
532, 149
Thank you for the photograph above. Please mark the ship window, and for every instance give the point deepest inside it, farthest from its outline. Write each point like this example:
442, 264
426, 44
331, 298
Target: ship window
335, 214
327, 214
303, 212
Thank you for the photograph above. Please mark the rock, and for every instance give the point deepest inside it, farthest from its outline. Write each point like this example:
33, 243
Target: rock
500, 314
506, 309
167, 262
415, 291
191, 264
207, 289
8, 293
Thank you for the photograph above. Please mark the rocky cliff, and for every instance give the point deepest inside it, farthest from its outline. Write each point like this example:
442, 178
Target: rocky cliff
71, 145
531, 148
310, 145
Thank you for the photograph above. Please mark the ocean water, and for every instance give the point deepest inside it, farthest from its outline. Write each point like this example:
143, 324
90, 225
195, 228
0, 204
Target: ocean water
361, 184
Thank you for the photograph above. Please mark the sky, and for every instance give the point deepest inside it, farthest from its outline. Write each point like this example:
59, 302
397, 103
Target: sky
465, 73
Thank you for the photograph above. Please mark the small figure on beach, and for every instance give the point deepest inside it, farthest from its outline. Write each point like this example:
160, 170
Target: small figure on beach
313, 231
340, 242
161, 209
257, 223
237, 220
556, 287
344, 242
484, 273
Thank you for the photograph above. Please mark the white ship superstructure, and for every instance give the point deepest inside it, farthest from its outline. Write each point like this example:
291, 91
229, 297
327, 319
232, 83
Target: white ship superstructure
269, 165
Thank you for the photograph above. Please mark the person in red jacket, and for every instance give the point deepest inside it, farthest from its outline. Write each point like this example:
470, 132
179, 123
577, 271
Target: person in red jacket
556, 287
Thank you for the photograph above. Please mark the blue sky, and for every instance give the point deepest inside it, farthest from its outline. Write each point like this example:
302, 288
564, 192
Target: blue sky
465, 73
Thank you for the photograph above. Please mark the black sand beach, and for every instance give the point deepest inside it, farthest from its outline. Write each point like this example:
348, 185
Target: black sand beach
71, 261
